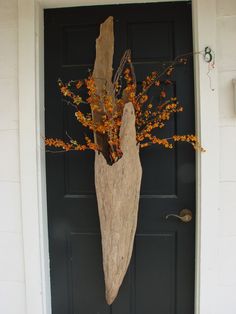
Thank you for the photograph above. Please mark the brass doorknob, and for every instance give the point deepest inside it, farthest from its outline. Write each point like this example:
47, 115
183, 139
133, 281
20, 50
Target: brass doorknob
185, 215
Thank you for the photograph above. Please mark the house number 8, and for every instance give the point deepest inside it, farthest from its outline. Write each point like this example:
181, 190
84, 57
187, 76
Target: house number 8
208, 54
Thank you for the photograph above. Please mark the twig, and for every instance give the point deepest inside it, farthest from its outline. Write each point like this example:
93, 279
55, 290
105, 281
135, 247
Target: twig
60, 151
168, 68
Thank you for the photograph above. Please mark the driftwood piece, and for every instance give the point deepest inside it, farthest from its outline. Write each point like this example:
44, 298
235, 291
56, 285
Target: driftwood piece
103, 69
117, 186
117, 189
102, 74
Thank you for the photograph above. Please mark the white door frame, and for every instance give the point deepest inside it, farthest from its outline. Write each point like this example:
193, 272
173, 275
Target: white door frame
32, 161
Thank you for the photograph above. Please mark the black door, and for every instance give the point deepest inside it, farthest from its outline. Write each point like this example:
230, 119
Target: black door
160, 279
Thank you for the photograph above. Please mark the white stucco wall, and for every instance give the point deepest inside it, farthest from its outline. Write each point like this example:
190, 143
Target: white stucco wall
12, 289
226, 52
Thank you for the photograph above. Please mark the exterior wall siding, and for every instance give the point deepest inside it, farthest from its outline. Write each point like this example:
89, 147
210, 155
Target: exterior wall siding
226, 64
12, 287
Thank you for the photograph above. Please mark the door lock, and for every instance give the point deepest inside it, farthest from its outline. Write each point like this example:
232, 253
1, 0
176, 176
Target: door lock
185, 215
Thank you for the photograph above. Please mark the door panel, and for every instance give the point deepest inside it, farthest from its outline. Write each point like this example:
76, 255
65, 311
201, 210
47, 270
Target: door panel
160, 279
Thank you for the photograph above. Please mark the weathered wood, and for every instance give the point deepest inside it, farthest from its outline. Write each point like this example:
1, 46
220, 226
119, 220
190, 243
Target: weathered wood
117, 189
102, 74
103, 69
117, 186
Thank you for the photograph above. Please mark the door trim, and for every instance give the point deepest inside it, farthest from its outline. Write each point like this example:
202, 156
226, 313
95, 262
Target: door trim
32, 160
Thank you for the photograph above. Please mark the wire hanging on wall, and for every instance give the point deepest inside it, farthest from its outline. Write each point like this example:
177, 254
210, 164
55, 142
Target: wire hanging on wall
209, 57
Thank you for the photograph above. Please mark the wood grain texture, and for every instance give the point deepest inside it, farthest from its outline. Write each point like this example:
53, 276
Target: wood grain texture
102, 75
118, 190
